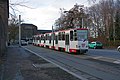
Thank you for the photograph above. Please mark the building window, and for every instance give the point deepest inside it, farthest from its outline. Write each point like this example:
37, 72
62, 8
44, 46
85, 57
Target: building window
63, 35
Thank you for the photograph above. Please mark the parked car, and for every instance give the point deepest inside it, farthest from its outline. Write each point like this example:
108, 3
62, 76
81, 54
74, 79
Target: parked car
29, 42
95, 45
118, 48
23, 42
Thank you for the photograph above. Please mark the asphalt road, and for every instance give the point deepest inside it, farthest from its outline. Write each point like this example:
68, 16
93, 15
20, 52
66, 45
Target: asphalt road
84, 67
104, 52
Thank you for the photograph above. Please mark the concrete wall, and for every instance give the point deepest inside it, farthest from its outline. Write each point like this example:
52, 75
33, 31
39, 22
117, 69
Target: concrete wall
3, 25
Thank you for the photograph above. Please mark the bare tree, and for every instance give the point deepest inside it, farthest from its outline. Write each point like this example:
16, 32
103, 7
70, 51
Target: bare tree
13, 6
75, 17
13, 29
108, 12
72, 18
13, 20
103, 18
117, 20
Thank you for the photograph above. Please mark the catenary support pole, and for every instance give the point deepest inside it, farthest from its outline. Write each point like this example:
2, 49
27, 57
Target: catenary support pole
19, 30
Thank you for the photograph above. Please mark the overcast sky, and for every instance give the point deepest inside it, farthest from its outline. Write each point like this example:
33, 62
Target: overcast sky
44, 12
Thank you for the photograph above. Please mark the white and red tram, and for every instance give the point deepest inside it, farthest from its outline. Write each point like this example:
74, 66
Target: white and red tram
72, 40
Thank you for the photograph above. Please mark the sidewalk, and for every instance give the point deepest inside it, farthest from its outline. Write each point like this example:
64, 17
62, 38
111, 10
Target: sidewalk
23, 65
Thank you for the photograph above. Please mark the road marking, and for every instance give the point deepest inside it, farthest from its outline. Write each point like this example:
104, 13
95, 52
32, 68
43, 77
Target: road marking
45, 65
117, 62
80, 77
97, 57
34, 65
107, 59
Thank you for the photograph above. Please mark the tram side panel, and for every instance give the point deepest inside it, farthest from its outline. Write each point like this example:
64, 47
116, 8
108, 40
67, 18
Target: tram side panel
68, 41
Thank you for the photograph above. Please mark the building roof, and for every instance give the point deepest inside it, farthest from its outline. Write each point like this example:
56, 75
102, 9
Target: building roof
27, 24
43, 31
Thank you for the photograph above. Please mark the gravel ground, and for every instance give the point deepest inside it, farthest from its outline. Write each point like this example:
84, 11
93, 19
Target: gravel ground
23, 65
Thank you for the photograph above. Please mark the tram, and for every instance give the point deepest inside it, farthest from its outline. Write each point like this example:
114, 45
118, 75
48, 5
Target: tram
72, 40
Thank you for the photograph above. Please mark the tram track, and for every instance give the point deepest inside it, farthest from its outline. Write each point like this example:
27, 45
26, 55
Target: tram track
75, 70
102, 67
59, 60
107, 69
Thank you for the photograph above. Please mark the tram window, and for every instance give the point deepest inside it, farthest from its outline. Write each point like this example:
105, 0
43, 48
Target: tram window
71, 35
53, 36
50, 39
66, 39
47, 36
56, 39
63, 35
59, 36
34, 38
75, 36
40, 39
74, 30
44, 39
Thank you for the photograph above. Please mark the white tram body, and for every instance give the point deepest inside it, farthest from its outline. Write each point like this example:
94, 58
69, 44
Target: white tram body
72, 40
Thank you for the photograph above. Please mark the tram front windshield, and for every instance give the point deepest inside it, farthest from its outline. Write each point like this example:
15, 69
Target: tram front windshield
82, 35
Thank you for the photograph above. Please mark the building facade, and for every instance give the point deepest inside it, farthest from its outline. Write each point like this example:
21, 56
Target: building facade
27, 31
4, 14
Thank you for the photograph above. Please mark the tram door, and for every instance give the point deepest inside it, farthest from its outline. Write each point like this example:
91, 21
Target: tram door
67, 42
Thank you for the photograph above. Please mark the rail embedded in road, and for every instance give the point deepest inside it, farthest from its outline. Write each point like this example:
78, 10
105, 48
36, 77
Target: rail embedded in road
80, 66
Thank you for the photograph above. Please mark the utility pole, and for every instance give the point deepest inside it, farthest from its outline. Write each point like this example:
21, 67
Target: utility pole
82, 23
19, 30
53, 36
